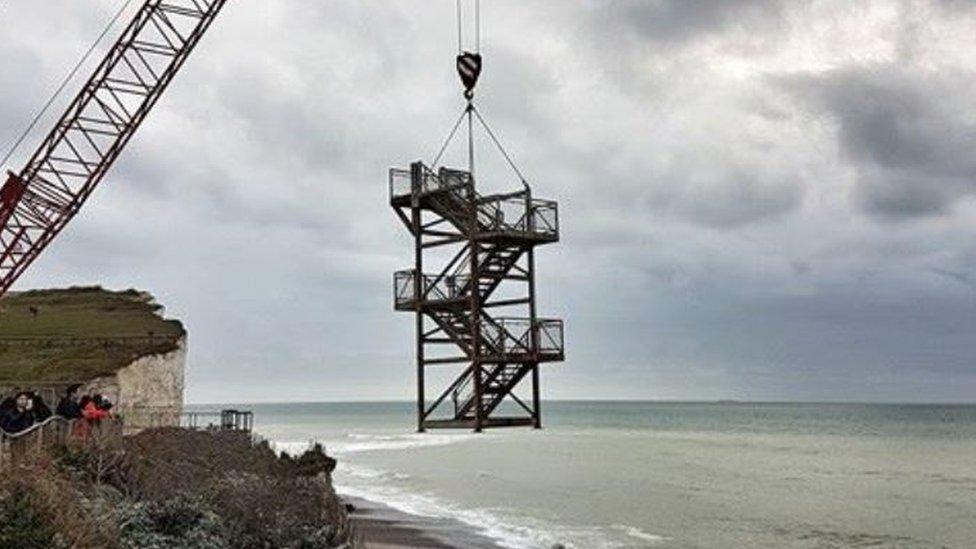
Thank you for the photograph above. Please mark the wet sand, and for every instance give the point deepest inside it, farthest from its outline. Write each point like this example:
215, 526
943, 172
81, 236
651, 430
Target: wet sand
382, 527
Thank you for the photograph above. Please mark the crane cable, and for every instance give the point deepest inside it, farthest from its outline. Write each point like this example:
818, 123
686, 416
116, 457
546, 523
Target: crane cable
64, 83
477, 26
470, 111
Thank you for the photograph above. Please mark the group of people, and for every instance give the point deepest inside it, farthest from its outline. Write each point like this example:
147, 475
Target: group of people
27, 408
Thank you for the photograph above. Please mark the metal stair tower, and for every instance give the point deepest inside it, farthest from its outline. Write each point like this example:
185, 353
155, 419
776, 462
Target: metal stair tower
491, 241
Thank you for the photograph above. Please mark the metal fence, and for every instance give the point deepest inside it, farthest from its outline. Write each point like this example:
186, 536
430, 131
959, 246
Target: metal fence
228, 420
56, 432
436, 287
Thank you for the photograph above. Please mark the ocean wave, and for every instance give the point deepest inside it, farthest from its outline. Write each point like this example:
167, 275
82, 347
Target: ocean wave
373, 474
363, 442
507, 527
370, 443
291, 448
637, 533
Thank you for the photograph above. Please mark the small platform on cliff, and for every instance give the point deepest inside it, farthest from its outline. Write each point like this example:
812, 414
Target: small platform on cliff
79, 333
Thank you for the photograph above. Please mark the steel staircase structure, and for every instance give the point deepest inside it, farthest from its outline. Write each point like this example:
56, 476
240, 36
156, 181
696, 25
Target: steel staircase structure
491, 243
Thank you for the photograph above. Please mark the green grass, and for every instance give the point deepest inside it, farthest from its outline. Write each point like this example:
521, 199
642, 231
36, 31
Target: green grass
78, 333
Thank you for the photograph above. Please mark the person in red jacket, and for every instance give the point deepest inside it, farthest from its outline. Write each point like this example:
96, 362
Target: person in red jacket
94, 409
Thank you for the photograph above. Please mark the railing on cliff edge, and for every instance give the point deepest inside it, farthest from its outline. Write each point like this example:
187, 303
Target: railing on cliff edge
57, 432
149, 417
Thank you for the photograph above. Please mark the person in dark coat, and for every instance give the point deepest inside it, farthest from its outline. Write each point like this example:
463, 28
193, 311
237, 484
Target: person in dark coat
68, 406
41, 410
9, 403
21, 417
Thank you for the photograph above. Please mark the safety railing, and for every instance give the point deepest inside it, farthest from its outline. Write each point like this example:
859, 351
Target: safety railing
228, 420
515, 213
550, 336
506, 336
435, 287
544, 217
55, 432
512, 337
404, 289
402, 183
138, 418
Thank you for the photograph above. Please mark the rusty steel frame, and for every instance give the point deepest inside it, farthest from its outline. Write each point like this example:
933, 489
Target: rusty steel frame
37, 203
452, 306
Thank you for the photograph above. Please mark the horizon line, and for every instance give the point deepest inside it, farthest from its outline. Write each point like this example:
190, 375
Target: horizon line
610, 400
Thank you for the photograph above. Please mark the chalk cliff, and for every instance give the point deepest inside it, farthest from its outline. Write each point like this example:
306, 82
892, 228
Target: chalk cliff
116, 343
149, 391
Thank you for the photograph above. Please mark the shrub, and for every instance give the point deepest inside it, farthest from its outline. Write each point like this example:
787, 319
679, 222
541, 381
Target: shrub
41, 504
184, 522
172, 488
21, 525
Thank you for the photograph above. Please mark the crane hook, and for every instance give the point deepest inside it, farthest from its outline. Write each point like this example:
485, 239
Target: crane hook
469, 69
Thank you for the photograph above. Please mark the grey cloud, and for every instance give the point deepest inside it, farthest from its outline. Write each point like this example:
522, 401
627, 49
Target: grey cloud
708, 250
964, 278
906, 132
679, 21
731, 199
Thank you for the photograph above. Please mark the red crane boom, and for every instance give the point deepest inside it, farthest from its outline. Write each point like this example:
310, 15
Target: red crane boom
38, 202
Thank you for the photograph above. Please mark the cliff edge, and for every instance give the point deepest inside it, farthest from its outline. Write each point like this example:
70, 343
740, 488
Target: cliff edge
115, 343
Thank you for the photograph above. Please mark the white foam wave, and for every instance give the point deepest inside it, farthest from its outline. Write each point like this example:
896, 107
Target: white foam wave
637, 533
372, 474
291, 448
509, 528
369, 443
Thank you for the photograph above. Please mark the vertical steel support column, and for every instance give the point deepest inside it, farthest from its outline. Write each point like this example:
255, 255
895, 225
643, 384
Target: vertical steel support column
476, 334
475, 278
416, 185
534, 330
536, 400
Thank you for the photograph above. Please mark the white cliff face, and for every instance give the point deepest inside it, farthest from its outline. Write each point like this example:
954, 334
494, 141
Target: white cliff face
149, 391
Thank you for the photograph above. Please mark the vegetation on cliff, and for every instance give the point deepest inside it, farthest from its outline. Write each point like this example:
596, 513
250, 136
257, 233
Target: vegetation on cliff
76, 334
173, 488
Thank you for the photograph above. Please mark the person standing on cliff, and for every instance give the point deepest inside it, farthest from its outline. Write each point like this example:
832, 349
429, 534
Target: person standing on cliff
68, 406
39, 407
21, 417
94, 409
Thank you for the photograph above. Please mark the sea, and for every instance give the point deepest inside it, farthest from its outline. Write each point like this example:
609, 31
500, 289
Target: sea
663, 474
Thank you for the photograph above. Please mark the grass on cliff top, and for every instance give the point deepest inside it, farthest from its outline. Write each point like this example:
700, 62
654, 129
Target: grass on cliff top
75, 334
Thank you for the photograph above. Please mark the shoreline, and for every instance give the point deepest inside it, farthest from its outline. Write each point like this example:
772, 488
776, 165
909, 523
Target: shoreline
380, 526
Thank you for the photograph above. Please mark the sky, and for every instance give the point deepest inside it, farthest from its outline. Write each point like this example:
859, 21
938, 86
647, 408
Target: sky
759, 199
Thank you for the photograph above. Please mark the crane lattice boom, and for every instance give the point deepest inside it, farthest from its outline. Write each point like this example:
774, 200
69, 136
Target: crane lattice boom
38, 202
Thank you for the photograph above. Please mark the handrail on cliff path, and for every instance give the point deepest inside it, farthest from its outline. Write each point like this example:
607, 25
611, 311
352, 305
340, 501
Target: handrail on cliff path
56, 431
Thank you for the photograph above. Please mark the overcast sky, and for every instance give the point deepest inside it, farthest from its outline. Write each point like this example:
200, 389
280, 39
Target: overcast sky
759, 199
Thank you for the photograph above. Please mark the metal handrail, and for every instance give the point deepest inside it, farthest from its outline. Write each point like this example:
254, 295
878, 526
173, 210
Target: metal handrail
32, 428
55, 431
531, 215
435, 287
550, 341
